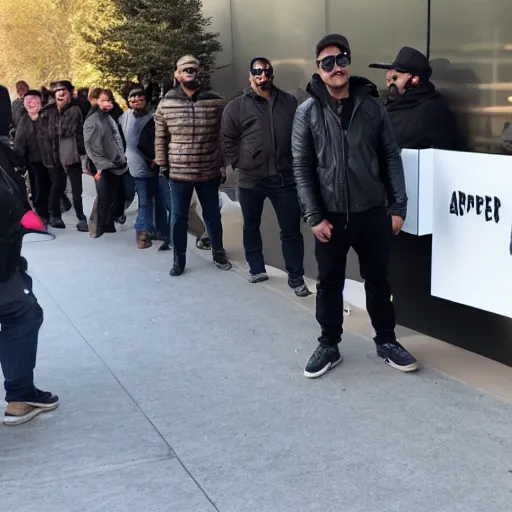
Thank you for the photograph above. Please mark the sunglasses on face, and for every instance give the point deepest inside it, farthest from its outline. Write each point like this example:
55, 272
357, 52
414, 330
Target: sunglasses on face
190, 71
328, 63
259, 71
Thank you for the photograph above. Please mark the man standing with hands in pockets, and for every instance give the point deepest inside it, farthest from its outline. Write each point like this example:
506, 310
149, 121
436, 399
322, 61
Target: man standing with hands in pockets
351, 188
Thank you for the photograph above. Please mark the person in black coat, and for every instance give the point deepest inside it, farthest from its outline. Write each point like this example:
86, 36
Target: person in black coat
420, 116
256, 131
20, 314
5, 114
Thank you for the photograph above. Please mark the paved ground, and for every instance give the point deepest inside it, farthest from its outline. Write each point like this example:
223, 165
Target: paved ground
187, 395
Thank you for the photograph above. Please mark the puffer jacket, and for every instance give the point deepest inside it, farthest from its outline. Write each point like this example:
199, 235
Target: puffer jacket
349, 170
187, 135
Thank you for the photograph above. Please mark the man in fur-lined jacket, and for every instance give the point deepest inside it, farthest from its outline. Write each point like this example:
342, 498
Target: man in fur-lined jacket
187, 125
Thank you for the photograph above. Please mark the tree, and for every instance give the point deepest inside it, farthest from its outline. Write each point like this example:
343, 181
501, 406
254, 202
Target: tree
148, 38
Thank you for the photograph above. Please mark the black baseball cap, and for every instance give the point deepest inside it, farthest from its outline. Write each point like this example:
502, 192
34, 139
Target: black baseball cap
62, 84
137, 91
408, 60
33, 92
337, 40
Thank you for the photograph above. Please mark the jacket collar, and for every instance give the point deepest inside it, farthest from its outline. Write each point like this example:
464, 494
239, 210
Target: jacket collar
414, 97
359, 88
202, 93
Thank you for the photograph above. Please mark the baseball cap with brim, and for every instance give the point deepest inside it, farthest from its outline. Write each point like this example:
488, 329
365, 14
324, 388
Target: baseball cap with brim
138, 91
408, 60
337, 40
60, 85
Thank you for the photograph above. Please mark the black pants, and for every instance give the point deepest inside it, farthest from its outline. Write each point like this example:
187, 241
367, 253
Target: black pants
57, 188
20, 318
109, 189
41, 189
369, 234
283, 196
75, 178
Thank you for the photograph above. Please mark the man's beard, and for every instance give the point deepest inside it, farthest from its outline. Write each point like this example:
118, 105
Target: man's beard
265, 86
393, 94
191, 84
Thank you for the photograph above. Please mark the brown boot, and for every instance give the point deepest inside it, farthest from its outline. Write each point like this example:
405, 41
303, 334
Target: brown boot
143, 241
18, 413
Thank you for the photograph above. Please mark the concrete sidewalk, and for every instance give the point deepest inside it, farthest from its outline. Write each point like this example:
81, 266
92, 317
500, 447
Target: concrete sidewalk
187, 395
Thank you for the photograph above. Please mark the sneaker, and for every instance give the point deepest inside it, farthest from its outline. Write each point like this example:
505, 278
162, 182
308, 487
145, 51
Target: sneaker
221, 261
82, 226
324, 358
56, 223
121, 220
258, 278
203, 243
166, 246
18, 413
397, 357
302, 291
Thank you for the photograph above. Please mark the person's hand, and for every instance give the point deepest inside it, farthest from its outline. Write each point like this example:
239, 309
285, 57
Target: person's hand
397, 223
97, 176
323, 231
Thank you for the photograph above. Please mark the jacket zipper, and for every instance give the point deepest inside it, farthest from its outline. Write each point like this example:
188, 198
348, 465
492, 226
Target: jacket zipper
344, 135
272, 133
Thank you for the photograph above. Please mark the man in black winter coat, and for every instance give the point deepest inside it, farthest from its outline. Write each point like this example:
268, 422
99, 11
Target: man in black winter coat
420, 116
20, 314
256, 137
5, 115
351, 187
62, 124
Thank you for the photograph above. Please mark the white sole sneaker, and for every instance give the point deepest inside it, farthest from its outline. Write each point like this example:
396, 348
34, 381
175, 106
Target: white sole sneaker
44, 407
324, 370
12, 421
406, 369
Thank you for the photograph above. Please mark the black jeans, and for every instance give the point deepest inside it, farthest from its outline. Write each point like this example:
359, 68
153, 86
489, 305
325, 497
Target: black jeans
208, 194
283, 196
110, 193
58, 186
74, 173
41, 190
369, 234
21, 319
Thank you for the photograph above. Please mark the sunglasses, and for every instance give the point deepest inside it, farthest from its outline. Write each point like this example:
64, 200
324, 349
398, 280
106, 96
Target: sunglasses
328, 63
259, 71
190, 71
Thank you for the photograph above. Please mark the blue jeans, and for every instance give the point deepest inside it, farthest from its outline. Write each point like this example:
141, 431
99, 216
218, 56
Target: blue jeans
163, 208
146, 192
283, 195
208, 195
21, 320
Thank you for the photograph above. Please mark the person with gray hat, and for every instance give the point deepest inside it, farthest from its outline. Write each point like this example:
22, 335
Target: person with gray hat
351, 187
420, 116
187, 150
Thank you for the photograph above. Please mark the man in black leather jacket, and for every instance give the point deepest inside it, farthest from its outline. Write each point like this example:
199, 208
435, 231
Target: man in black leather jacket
20, 314
351, 187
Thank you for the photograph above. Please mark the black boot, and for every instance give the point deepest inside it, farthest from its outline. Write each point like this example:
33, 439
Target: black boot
56, 223
179, 265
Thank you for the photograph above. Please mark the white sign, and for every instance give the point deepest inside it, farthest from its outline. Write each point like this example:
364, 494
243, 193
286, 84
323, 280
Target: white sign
419, 182
472, 246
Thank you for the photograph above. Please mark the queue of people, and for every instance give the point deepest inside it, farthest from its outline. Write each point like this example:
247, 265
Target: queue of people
333, 161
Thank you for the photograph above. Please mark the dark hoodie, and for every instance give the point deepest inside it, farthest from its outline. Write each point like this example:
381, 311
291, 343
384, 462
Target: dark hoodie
256, 135
422, 119
345, 156
5, 112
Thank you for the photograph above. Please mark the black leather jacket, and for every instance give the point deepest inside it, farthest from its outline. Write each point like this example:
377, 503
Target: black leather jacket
350, 170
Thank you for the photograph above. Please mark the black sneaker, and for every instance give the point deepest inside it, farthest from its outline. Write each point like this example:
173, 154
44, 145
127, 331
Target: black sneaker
397, 357
82, 226
324, 358
121, 220
43, 400
204, 243
302, 290
56, 223
221, 261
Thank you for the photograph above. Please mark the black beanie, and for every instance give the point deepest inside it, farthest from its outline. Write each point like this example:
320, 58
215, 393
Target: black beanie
33, 92
260, 59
